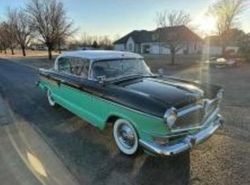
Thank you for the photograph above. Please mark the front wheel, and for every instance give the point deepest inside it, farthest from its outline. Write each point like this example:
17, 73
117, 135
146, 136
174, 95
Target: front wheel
125, 137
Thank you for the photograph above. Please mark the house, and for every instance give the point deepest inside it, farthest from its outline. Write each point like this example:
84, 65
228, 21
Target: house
158, 41
38, 46
213, 45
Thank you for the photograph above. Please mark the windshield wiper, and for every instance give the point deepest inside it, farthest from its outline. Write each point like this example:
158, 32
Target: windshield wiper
130, 77
125, 78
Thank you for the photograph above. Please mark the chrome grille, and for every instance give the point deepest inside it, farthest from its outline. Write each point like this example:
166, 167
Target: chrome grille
194, 116
191, 117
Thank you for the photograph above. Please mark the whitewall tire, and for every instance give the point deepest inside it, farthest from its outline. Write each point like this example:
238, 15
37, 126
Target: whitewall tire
125, 137
51, 101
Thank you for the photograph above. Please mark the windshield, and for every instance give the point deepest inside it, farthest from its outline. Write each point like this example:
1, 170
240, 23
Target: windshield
115, 69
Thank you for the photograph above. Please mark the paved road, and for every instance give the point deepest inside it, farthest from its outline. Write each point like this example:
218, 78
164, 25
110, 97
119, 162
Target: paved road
91, 155
12, 170
25, 157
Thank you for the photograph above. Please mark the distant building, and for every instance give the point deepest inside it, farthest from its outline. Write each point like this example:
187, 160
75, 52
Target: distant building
38, 46
157, 41
213, 46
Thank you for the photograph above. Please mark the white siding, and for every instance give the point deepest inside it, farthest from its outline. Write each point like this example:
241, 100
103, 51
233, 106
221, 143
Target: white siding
212, 50
155, 48
158, 48
161, 48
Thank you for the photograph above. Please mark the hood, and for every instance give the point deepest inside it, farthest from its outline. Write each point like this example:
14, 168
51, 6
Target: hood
176, 94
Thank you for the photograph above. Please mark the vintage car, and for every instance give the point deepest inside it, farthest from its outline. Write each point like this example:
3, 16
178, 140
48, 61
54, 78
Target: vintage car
161, 114
222, 62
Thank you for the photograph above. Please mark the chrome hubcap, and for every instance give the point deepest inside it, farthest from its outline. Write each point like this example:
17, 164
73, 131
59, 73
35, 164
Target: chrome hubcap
126, 136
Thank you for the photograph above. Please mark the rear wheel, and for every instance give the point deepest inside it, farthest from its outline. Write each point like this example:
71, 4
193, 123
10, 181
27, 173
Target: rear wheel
125, 137
51, 101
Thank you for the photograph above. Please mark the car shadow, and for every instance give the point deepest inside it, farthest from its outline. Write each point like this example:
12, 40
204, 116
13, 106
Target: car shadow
146, 170
167, 170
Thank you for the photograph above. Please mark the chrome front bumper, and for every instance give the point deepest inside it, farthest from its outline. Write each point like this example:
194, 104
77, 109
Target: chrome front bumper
185, 144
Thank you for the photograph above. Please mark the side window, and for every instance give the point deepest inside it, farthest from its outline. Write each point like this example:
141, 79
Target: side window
79, 67
64, 65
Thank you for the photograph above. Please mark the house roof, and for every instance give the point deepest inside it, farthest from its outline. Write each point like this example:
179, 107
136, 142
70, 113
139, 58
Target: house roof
162, 34
100, 54
183, 32
138, 36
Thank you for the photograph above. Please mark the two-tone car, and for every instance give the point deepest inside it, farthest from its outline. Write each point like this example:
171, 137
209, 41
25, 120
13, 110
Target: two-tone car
161, 114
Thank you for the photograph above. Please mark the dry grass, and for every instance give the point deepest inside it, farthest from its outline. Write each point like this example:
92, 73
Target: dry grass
37, 59
29, 53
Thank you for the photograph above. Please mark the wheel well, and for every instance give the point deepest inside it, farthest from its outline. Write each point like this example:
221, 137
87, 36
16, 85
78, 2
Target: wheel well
111, 120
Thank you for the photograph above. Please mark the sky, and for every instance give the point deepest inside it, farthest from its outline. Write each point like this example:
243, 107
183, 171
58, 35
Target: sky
118, 17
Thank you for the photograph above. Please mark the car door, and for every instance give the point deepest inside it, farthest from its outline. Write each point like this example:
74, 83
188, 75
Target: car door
74, 89
57, 76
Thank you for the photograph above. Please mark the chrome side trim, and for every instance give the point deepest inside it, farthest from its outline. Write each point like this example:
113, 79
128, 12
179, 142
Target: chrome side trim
187, 143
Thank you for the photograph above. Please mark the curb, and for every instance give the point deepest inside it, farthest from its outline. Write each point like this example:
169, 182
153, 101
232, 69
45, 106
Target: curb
7, 117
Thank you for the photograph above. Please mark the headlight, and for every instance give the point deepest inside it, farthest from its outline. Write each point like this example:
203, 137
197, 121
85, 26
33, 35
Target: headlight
170, 117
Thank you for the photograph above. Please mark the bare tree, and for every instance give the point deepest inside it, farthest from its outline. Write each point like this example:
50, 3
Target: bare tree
49, 19
86, 40
244, 46
227, 14
21, 25
7, 36
9, 27
105, 42
172, 18
3, 39
175, 39
60, 42
161, 19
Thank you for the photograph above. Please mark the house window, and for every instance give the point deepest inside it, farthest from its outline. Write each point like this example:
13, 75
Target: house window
130, 47
146, 49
